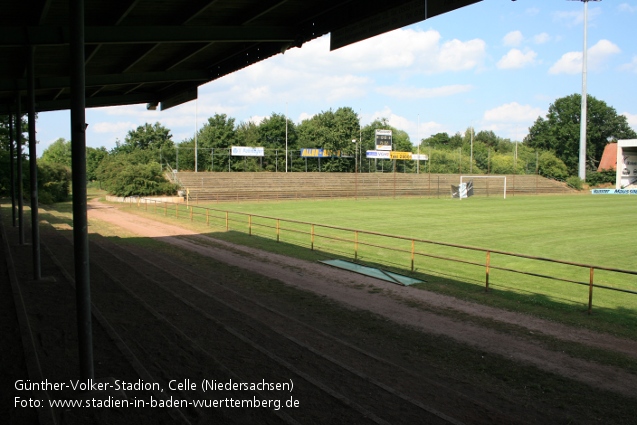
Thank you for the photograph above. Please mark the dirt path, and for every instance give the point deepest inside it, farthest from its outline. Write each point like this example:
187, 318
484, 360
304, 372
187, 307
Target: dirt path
344, 287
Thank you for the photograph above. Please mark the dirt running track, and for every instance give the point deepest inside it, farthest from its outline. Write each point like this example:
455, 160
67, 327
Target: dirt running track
358, 350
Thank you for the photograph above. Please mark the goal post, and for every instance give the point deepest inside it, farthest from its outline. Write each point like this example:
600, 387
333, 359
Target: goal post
464, 179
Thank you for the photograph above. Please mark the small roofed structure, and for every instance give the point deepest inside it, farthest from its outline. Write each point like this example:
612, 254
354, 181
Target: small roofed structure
626, 164
609, 158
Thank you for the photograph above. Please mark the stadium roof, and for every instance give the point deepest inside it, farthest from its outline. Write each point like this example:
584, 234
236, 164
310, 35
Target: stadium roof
156, 52
160, 51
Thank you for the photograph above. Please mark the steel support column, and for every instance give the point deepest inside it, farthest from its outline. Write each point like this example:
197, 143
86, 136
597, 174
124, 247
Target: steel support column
12, 170
33, 169
18, 143
78, 163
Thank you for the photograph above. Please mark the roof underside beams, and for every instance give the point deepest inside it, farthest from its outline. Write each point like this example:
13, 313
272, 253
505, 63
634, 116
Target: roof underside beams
51, 36
160, 51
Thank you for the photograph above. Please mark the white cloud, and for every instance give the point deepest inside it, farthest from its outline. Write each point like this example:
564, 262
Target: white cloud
571, 62
305, 116
516, 59
415, 131
313, 73
456, 55
423, 92
513, 112
632, 66
112, 127
427, 129
570, 18
512, 39
541, 38
632, 119
424, 50
256, 119
625, 7
601, 51
575, 17
532, 11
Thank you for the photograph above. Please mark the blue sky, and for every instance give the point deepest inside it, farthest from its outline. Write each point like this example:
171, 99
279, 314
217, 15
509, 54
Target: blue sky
496, 65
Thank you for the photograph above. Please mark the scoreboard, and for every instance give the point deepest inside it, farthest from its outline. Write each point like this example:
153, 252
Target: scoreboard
383, 140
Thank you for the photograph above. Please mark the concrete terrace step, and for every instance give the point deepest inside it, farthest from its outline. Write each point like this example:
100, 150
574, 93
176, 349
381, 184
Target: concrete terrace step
264, 185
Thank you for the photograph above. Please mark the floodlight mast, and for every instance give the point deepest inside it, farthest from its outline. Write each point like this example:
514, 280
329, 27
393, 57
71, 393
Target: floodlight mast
583, 117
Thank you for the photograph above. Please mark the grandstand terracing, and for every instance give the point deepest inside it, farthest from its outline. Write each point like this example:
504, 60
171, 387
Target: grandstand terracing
209, 186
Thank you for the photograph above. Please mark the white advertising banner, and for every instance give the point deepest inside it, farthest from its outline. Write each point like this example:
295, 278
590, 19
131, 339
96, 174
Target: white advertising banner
378, 154
614, 191
247, 151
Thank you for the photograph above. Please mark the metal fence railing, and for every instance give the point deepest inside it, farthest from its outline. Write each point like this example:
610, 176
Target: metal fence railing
399, 251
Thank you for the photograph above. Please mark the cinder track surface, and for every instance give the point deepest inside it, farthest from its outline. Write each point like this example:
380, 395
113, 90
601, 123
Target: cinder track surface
217, 333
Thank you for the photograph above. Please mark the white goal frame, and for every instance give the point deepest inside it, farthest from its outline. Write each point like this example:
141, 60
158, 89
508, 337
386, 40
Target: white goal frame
487, 177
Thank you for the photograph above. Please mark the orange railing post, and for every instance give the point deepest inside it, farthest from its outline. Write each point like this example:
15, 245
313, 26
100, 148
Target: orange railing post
488, 266
590, 290
355, 245
413, 245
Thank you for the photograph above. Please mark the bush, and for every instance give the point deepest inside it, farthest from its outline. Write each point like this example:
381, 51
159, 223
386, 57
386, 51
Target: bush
446, 162
121, 175
575, 182
505, 164
54, 182
551, 166
602, 177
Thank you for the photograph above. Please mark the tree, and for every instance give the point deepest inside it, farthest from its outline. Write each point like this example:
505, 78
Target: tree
450, 162
551, 166
146, 137
5, 176
487, 137
436, 141
334, 131
248, 134
214, 140
272, 135
59, 152
54, 182
559, 132
94, 157
400, 143
133, 174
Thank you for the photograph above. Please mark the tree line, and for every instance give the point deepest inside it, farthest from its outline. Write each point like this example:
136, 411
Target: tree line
135, 166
